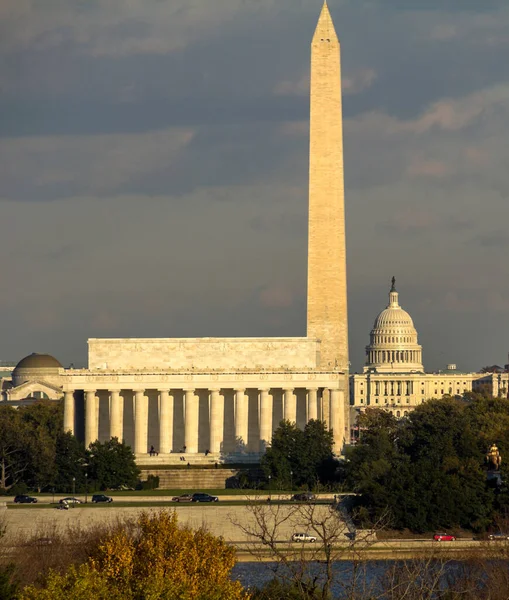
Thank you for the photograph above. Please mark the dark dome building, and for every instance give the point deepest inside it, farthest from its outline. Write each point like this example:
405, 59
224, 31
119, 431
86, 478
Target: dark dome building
37, 369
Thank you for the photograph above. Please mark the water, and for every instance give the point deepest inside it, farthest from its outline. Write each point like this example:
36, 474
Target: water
364, 576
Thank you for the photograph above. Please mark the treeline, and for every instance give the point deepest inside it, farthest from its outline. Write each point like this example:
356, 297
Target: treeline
36, 454
429, 471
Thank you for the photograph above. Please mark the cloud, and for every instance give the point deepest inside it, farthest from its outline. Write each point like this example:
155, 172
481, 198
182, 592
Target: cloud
411, 220
421, 167
276, 296
61, 165
493, 239
358, 81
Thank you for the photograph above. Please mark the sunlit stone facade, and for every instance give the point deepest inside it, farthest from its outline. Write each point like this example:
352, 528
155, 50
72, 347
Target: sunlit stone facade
223, 397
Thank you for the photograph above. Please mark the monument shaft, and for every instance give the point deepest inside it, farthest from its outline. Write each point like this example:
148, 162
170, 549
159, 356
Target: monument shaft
327, 291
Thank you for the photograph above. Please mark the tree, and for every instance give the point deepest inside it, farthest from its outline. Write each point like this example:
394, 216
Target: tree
14, 447
151, 558
27, 444
301, 458
427, 470
306, 571
70, 461
111, 464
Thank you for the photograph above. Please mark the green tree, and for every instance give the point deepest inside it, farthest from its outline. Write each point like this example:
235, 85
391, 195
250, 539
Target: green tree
300, 458
426, 470
14, 448
70, 463
111, 464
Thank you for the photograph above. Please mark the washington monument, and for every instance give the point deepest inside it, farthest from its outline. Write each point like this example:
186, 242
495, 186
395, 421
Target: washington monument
327, 300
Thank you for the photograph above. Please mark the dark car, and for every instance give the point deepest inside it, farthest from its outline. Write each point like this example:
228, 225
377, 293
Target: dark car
183, 498
304, 497
101, 498
201, 497
24, 499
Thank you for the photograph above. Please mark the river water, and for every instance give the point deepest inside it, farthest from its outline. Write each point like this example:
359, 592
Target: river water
365, 576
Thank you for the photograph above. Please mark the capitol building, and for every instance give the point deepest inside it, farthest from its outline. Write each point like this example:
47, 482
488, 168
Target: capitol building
394, 378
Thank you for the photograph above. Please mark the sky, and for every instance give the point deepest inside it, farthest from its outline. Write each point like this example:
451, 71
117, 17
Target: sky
154, 171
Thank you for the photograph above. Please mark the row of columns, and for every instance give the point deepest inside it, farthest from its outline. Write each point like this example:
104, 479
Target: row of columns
394, 356
191, 416
394, 388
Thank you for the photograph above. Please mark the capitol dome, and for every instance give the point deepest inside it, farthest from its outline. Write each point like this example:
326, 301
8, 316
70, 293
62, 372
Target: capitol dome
36, 367
393, 340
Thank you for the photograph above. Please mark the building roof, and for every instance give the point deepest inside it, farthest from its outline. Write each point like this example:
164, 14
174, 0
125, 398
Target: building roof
38, 361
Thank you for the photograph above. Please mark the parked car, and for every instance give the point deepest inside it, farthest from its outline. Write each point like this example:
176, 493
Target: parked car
201, 497
304, 497
101, 498
498, 537
70, 501
444, 537
24, 499
303, 537
183, 498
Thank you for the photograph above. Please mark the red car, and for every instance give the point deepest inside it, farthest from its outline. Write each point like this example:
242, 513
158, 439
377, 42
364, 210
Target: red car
444, 537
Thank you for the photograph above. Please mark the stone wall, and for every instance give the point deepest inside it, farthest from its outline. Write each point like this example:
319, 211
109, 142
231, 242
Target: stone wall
202, 353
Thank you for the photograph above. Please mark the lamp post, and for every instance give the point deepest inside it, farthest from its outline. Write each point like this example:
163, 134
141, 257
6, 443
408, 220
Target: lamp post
74, 486
86, 488
291, 480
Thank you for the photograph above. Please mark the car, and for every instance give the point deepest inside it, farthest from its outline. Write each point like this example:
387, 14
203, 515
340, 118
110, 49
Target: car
101, 498
498, 537
303, 537
201, 497
444, 537
183, 498
70, 500
24, 499
304, 497
43, 541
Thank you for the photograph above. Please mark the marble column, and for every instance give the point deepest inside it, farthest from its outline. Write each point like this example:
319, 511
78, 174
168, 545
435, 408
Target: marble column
191, 421
312, 398
337, 419
290, 405
216, 421
140, 422
165, 422
69, 411
241, 420
265, 419
116, 425
91, 424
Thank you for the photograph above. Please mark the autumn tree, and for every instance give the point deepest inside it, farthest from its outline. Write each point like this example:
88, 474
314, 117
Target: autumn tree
154, 559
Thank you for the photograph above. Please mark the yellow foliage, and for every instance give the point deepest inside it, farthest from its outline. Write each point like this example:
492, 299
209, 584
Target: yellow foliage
158, 561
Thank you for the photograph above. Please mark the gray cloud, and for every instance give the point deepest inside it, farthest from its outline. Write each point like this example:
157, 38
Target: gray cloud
153, 169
